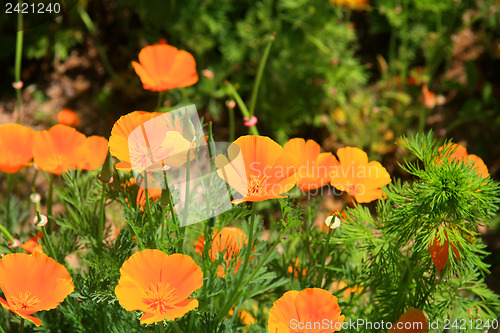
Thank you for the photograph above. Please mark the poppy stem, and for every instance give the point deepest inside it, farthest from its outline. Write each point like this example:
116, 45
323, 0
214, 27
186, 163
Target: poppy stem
148, 211
235, 294
100, 226
10, 182
49, 202
19, 52
231, 125
260, 72
244, 110
47, 242
92, 29
21, 326
188, 188
323, 257
176, 327
7, 234
160, 100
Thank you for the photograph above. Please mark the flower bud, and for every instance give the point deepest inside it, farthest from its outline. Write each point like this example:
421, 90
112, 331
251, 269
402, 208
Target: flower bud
106, 175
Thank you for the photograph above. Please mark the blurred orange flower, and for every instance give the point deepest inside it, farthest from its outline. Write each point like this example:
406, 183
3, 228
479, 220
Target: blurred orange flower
95, 153
228, 242
162, 67
296, 270
33, 283
413, 318
352, 4
263, 170
359, 178
59, 149
16, 145
302, 311
68, 117
158, 285
153, 193
118, 141
460, 154
246, 318
32, 246
314, 168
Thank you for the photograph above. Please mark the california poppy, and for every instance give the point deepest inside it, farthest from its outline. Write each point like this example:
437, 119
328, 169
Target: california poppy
59, 149
16, 145
33, 283
158, 285
305, 311
118, 141
314, 168
412, 321
162, 67
95, 153
459, 153
263, 170
358, 177
32, 246
152, 194
228, 242
68, 117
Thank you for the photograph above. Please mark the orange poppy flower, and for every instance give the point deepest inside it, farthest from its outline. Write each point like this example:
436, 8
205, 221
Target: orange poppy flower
246, 318
314, 168
341, 285
439, 252
412, 321
158, 285
59, 149
460, 154
16, 145
227, 242
162, 67
262, 172
68, 117
305, 311
33, 283
141, 196
95, 153
32, 246
359, 178
118, 141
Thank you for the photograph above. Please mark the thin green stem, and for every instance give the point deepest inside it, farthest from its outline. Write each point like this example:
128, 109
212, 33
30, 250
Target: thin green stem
260, 72
100, 226
253, 130
47, 241
235, 293
10, 183
21, 326
323, 258
89, 24
231, 125
7, 234
49, 203
148, 212
188, 188
17, 69
176, 327
160, 100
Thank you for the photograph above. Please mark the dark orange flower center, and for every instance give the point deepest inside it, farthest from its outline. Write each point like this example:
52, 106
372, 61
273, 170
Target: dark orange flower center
160, 297
24, 302
256, 185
